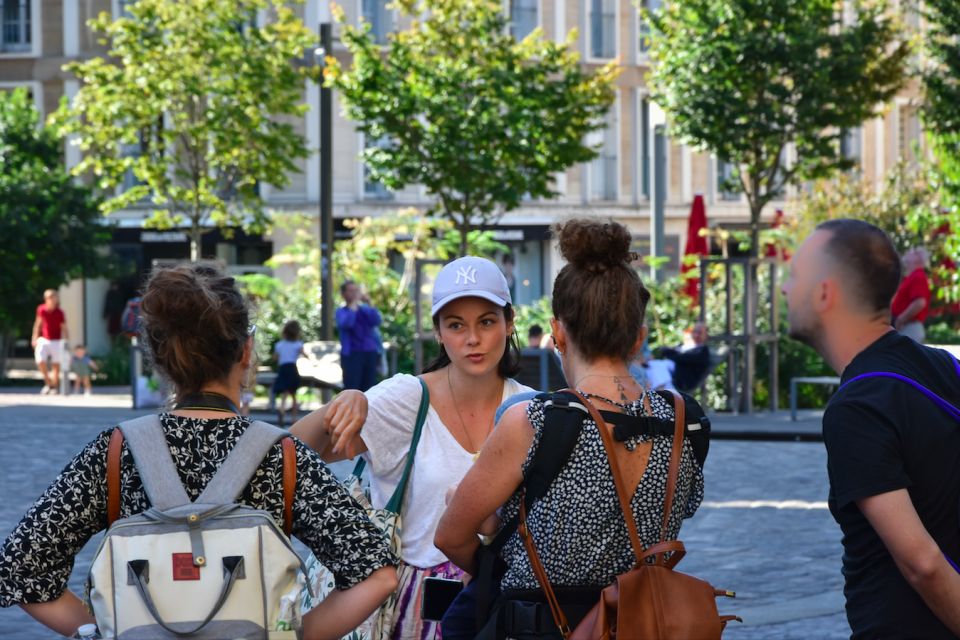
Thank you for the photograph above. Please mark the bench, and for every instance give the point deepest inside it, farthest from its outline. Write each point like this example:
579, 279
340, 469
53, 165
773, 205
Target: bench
827, 380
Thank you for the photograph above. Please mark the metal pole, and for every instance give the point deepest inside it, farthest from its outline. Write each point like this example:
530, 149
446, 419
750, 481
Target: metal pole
658, 199
326, 194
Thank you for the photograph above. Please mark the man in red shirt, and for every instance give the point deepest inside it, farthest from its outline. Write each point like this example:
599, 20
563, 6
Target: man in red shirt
49, 340
911, 303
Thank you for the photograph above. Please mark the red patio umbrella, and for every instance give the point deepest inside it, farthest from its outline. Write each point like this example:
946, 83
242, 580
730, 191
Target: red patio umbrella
696, 246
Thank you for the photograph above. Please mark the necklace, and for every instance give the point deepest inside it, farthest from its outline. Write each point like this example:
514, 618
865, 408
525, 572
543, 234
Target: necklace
207, 401
463, 426
620, 388
627, 407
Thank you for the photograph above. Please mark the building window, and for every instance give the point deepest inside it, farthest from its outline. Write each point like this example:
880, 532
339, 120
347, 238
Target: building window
851, 144
374, 189
603, 36
603, 169
643, 153
908, 136
726, 184
379, 17
16, 26
643, 27
523, 18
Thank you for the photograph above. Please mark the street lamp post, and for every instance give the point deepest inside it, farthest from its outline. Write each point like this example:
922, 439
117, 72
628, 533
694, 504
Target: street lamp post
659, 187
326, 190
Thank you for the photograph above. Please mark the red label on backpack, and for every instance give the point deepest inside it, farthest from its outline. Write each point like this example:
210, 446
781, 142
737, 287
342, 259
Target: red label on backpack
183, 567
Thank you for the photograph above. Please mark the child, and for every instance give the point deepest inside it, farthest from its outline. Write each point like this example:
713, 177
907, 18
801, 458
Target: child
80, 365
286, 353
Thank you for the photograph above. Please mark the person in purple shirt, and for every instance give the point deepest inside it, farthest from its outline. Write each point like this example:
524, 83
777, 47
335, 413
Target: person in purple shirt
360, 345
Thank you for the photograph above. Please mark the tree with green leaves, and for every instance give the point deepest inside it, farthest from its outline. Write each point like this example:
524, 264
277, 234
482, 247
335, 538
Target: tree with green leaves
193, 103
457, 105
744, 79
941, 116
50, 225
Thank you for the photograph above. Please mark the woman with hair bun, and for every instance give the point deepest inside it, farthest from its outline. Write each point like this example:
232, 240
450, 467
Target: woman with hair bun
197, 331
578, 526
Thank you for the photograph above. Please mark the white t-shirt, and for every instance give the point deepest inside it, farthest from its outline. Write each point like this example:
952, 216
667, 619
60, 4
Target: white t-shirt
288, 351
440, 461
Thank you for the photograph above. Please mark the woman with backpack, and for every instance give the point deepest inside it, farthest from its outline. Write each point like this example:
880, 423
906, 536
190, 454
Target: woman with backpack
197, 328
577, 525
473, 322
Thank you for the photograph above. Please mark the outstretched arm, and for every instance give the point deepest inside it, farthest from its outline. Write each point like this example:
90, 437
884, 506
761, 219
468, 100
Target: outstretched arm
343, 611
333, 430
64, 615
917, 555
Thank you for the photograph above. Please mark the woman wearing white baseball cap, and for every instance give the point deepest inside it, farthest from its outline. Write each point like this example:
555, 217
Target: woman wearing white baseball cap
473, 320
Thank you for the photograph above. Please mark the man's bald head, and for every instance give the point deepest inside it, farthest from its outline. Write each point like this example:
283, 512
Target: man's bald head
864, 261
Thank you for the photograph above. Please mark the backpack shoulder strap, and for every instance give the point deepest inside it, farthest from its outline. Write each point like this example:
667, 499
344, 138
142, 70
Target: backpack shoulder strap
234, 474
146, 441
951, 409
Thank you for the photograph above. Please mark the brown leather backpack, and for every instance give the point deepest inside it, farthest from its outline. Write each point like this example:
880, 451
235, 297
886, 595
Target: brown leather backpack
658, 603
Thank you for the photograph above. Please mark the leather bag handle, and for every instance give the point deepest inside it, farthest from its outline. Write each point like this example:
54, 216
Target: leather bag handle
289, 482
113, 475
559, 618
618, 482
679, 426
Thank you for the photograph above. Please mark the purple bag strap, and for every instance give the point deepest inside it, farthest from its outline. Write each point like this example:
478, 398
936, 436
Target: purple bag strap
940, 402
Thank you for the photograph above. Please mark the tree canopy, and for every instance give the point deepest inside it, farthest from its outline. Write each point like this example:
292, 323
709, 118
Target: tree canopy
746, 78
457, 105
50, 225
192, 109
942, 119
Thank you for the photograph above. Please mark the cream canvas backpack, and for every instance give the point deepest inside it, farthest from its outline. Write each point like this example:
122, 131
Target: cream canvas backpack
210, 569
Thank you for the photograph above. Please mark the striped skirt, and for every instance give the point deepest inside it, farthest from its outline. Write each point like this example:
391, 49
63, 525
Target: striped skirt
408, 625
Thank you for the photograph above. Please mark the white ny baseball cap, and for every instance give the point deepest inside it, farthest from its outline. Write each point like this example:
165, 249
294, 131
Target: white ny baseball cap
470, 276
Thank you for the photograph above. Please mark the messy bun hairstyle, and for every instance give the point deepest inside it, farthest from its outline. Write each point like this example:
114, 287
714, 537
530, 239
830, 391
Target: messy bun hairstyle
195, 324
598, 295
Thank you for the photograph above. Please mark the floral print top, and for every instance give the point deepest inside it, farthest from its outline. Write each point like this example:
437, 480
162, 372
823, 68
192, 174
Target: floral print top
37, 557
578, 525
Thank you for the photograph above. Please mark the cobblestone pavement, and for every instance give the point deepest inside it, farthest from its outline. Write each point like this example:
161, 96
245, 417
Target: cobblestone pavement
764, 530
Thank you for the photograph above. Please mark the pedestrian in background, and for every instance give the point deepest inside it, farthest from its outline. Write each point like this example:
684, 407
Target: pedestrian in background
911, 303
206, 362
49, 340
473, 320
893, 447
286, 352
81, 366
360, 342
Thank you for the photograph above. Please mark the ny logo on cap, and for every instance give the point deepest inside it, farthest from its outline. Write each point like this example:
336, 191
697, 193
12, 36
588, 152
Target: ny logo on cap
466, 275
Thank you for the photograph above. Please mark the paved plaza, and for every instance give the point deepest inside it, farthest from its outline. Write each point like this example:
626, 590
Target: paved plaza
764, 530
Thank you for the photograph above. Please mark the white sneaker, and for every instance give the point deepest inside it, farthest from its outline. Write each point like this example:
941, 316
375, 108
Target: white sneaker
87, 394
45, 390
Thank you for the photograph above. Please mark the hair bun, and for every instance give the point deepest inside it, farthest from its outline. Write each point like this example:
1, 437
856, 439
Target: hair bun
594, 245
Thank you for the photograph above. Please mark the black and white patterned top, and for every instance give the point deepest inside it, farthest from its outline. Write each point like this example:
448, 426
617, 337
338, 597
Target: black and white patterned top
37, 557
578, 525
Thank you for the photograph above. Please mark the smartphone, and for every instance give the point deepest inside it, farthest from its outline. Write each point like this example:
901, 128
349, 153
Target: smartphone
438, 595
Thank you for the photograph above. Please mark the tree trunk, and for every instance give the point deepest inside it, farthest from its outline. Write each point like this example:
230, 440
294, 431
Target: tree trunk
196, 234
464, 231
6, 340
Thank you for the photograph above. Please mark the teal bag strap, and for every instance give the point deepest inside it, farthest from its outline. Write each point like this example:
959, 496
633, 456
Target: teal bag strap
396, 500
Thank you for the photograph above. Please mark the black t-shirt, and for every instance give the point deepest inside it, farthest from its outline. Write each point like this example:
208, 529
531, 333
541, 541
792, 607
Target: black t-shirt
881, 435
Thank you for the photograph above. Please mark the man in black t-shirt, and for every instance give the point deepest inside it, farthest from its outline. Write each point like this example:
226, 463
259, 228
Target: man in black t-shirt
893, 454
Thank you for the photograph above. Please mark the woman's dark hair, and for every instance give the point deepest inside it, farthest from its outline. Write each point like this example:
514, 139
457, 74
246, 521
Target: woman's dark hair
509, 364
291, 330
598, 295
195, 324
